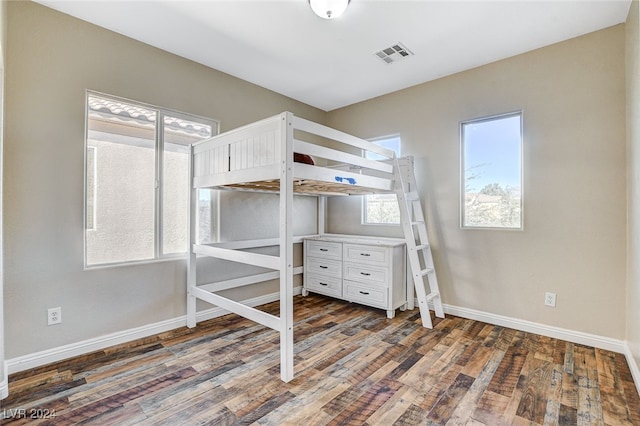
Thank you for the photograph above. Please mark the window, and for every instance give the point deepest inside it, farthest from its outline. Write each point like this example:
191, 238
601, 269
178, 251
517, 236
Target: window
381, 209
205, 222
137, 180
492, 172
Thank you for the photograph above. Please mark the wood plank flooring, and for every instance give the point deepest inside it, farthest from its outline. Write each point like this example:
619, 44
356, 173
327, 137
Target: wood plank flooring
353, 367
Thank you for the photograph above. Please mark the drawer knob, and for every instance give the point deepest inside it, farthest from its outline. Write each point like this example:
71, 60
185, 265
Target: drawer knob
366, 274
323, 267
364, 292
324, 284
365, 254
324, 249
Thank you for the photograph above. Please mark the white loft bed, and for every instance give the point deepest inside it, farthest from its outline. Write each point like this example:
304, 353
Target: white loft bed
260, 157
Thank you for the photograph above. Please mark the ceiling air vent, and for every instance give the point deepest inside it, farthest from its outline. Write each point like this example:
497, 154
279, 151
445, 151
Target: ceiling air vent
395, 53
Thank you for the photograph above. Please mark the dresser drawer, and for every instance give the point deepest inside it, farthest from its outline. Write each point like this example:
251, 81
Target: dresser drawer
324, 250
325, 285
371, 254
356, 292
323, 267
366, 273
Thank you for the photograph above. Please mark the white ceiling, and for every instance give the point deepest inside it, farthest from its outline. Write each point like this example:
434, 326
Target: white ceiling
284, 47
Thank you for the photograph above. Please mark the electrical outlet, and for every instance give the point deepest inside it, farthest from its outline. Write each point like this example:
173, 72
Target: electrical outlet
54, 316
550, 299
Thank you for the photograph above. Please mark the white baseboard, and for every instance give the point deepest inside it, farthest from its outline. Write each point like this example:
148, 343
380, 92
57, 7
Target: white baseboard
80, 348
572, 336
60, 353
579, 337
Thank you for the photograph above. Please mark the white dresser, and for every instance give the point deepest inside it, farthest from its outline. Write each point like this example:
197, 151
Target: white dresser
366, 270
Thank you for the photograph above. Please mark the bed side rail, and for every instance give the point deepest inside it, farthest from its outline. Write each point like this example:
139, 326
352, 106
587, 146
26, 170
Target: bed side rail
246, 280
340, 156
347, 165
339, 136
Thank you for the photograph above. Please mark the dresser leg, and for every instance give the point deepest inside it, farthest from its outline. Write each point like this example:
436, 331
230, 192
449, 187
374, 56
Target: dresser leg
391, 314
305, 292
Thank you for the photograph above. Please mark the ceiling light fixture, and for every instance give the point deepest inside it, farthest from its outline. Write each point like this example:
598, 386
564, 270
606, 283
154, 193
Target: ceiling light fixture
329, 9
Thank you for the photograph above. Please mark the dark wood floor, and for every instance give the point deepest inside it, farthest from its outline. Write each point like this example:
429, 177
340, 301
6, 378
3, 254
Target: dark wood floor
353, 366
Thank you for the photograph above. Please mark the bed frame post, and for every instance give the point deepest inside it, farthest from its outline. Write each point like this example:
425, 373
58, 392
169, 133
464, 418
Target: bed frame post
286, 248
191, 258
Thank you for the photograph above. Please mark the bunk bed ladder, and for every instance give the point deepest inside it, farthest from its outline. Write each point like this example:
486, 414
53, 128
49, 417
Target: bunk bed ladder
418, 248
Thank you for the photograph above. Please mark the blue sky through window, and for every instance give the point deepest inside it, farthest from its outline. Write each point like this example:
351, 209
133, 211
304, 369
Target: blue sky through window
492, 153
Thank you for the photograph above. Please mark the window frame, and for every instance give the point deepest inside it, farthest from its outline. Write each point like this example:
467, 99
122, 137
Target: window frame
88, 166
161, 113
517, 113
365, 198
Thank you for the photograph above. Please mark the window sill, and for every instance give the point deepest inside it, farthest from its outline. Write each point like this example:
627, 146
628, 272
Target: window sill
179, 257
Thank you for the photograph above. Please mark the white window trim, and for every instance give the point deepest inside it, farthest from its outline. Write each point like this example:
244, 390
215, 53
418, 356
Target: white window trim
519, 113
159, 147
95, 186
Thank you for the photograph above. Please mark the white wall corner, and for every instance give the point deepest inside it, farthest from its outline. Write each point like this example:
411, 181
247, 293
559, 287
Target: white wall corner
4, 385
634, 365
60, 353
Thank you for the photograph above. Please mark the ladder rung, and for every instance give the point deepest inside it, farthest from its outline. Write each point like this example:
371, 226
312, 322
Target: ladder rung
422, 247
412, 196
417, 222
426, 271
432, 296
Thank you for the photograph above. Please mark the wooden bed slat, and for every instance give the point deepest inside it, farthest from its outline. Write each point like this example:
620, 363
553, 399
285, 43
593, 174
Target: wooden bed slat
317, 181
303, 187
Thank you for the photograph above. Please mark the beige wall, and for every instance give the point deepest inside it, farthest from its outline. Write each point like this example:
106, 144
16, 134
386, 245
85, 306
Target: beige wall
572, 96
52, 60
633, 155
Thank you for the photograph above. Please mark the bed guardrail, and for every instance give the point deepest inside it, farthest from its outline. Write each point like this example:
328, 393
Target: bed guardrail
252, 153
